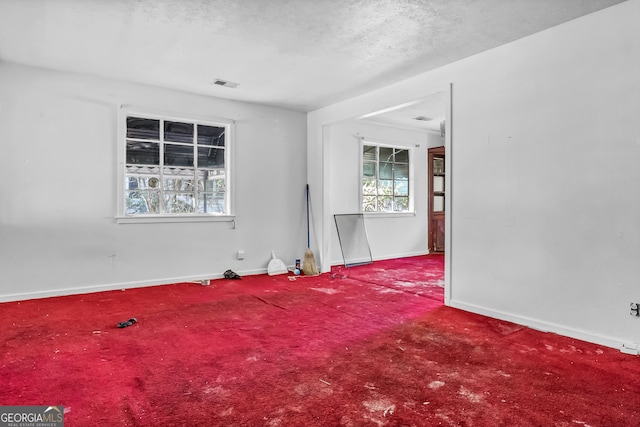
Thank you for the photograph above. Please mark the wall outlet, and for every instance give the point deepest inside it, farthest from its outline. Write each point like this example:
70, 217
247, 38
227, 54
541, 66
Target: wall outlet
635, 309
240, 254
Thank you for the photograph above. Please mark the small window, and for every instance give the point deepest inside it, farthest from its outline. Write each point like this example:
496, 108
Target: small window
386, 179
175, 167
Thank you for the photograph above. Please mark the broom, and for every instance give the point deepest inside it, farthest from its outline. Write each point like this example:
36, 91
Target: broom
309, 267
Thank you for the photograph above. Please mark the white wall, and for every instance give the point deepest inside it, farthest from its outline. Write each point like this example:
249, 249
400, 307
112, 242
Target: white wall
58, 189
389, 235
545, 216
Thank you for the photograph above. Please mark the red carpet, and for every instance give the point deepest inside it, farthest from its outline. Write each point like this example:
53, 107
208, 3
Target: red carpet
374, 349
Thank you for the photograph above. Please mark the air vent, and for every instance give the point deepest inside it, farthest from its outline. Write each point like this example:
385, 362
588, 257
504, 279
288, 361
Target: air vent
423, 118
224, 83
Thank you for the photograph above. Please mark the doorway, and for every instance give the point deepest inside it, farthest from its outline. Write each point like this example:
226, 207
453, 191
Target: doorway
436, 200
430, 115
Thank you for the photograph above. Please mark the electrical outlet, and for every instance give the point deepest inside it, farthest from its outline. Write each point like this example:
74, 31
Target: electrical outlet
240, 254
635, 309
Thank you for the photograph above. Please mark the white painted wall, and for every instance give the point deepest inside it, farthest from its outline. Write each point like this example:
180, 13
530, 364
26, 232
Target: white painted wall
390, 236
545, 215
58, 189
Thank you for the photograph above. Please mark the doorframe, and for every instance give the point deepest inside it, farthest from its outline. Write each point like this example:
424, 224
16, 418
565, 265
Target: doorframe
432, 153
448, 201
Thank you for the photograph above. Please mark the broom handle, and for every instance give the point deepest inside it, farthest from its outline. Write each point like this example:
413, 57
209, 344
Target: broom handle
308, 232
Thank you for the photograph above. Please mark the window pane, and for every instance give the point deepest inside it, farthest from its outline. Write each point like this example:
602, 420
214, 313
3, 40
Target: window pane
401, 204
401, 188
212, 181
145, 153
178, 132
178, 155
210, 157
438, 184
211, 203
178, 203
141, 182
369, 204
385, 203
176, 179
438, 165
369, 153
178, 184
369, 169
211, 135
385, 187
143, 128
401, 171
386, 170
438, 203
402, 156
142, 202
386, 154
369, 186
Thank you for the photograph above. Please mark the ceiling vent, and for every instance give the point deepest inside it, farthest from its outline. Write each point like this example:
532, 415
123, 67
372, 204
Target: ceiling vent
423, 118
224, 83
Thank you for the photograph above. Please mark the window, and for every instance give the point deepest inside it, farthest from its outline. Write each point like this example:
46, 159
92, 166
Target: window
174, 168
385, 178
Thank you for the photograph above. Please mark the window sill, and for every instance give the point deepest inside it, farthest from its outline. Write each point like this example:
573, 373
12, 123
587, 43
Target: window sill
141, 219
388, 214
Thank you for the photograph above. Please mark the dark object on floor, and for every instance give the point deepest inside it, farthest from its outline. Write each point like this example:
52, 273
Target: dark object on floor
127, 323
231, 275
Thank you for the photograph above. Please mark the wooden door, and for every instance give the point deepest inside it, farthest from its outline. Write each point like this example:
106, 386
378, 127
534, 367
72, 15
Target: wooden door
436, 199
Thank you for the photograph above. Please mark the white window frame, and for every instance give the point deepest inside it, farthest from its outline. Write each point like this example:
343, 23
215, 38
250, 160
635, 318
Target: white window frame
386, 144
122, 218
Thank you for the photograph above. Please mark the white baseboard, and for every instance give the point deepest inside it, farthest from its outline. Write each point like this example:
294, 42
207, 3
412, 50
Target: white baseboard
118, 286
402, 255
385, 257
540, 325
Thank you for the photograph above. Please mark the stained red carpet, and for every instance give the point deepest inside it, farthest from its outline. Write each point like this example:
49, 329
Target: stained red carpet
375, 349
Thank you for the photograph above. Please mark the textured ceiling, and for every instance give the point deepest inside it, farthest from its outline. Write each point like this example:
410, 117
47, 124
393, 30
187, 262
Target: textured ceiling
299, 54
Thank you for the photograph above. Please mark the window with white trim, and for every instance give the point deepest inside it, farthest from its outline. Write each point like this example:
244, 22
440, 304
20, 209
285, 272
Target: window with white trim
174, 167
386, 178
